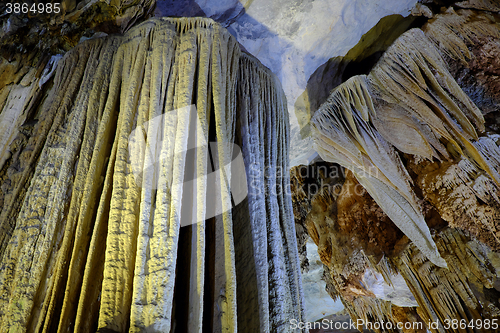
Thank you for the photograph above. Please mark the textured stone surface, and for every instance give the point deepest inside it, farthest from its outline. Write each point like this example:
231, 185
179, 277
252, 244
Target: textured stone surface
359, 60
318, 303
467, 286
307, 183
455, 189
489, 5
59, 32
479, 75
409, 101
85, 248
41, 163
294, 37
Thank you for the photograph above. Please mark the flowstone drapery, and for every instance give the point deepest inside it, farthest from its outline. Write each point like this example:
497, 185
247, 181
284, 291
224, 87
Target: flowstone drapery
83, 247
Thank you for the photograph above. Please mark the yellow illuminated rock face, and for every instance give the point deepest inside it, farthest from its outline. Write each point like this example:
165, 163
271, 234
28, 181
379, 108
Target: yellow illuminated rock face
84, 248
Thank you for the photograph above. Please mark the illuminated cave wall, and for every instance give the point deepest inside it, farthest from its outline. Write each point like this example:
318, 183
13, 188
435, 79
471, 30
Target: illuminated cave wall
83, 247
428, 160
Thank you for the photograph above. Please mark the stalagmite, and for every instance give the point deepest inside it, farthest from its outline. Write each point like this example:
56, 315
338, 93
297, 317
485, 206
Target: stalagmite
90, 244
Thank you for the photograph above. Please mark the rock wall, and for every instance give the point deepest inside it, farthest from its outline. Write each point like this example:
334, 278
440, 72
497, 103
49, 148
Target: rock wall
444, 170
59, 28
88, 244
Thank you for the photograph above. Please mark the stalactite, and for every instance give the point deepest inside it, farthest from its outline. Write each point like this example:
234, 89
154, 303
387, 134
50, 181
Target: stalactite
456, 292
343, 135
464, 197
409, 101
450, 32
449, 162
91, 247
489, 5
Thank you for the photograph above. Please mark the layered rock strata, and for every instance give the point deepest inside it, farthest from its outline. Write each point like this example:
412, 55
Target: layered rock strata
88, 244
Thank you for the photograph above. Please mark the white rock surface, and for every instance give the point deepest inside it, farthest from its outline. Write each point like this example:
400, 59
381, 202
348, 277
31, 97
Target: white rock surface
318, 302
398, 294
294, 37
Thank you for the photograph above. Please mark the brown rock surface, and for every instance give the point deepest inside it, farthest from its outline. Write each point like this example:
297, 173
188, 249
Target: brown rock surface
58, 32
456, 194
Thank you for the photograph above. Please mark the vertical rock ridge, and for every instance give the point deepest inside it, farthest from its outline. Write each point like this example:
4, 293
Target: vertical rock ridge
277, 282
455, 293
452, 31
94, 246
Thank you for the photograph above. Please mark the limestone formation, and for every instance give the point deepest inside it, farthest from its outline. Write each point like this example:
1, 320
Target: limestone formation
488, 5
359, 60
408, 101
84, 248
409, 128
144, 165
294, 37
